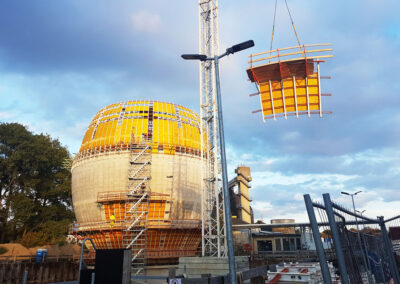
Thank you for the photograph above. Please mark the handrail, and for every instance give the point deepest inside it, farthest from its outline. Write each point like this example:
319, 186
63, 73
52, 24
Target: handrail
291, 53
297, 58
81, 261
393, 218
291, 47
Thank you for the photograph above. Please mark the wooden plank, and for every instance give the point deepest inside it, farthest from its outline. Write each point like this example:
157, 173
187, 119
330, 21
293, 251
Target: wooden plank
2, 272
283, 99
308, 97
272, 99
291, 47
262, 66
17, 275
46, 273
40, 274
9, 274
295, 96
319, 90
289, 54
52, 277
266, 72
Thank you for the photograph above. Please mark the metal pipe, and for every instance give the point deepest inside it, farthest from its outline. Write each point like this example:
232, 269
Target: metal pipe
278, 225
389, 249
393, 218
25, 276
81, 255
336, 239
317, 239
228, 220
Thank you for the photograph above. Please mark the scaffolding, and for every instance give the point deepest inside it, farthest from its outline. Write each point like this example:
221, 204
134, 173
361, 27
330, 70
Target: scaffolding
213, 228
119, 209
137, 204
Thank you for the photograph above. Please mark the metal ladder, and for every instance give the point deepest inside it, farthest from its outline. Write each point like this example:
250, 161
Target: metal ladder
137, 203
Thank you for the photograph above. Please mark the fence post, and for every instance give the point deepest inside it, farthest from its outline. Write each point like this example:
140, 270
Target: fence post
25, 276
389, 250
336, 239
317, 239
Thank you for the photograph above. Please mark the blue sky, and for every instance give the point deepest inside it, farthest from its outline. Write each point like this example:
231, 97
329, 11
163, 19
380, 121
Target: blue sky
61, 61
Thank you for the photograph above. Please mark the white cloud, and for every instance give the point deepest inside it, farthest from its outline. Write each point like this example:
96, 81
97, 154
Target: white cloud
146, 22
6, 114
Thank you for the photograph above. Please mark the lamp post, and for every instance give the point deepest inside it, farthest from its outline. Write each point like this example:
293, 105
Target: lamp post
228, 222
352, 199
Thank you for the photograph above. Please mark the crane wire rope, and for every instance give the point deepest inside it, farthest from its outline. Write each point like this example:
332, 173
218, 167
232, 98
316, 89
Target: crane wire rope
292, 22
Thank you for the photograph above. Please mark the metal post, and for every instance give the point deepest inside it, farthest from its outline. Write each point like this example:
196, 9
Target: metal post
354, 210
227, 205
25, 276
317, 240
362, 247
81, 262
389, 251
336, 239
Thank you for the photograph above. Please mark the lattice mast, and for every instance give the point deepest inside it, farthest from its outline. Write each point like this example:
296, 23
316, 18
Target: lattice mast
213, 229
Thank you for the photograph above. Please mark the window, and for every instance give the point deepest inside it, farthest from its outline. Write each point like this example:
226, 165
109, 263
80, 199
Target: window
278, 246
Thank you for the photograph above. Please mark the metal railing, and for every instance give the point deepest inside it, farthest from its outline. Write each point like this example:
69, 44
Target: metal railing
359, 245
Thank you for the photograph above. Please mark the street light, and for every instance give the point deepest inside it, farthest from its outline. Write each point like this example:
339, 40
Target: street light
228, 222
352, 199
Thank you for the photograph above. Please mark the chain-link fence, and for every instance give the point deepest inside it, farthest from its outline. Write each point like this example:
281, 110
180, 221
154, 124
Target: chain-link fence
360, 247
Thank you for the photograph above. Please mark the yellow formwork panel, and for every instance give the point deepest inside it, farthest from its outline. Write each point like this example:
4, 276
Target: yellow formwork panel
174, 127
289, 95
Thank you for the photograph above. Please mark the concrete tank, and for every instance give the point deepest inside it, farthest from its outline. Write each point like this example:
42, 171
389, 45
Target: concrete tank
100, 177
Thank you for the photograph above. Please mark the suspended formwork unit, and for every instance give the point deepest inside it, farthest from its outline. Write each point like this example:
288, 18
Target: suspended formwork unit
288, 80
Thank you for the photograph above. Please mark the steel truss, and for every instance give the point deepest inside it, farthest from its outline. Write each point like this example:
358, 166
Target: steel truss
213, 228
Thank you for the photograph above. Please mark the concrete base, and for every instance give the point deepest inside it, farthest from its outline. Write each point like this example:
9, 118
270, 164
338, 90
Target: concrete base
159, 270
194, 267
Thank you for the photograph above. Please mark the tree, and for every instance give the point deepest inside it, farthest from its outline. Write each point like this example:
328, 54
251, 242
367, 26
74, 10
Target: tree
35, 188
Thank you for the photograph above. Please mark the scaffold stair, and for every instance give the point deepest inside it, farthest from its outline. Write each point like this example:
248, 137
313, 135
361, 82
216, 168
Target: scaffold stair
137, 205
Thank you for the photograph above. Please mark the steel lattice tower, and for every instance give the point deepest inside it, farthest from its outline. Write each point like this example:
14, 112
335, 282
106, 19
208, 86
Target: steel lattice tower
213, 228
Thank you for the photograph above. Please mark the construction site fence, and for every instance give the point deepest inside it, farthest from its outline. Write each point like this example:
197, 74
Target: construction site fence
32, 258
360, 247
38, 273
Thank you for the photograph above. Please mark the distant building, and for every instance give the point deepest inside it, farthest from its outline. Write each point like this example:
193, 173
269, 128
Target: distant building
239, 187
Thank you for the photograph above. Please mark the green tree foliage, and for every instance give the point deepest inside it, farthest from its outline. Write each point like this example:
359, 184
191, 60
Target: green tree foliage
35, 188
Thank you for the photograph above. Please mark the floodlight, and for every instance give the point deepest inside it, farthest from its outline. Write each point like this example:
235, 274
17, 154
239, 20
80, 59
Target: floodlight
240, 46
200, 57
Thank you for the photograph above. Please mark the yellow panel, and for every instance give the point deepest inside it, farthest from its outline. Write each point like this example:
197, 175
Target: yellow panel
278, 106
165, 128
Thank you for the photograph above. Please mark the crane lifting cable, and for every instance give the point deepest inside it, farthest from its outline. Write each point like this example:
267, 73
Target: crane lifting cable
288, 81
291, 20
